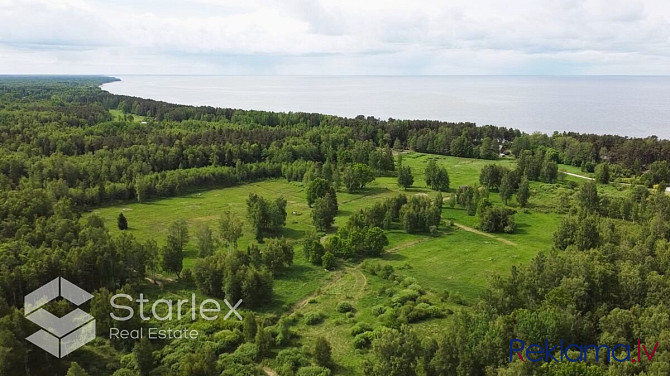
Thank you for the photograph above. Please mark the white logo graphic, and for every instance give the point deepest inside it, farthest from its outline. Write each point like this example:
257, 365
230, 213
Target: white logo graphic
59, 336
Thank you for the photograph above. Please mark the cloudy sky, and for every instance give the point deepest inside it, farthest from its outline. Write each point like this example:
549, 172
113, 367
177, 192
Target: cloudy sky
290, 37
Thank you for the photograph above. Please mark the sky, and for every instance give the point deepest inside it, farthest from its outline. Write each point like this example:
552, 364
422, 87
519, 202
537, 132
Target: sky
335, 37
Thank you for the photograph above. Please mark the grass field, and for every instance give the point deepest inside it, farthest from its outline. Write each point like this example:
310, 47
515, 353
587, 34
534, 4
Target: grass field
459, 260
119, 114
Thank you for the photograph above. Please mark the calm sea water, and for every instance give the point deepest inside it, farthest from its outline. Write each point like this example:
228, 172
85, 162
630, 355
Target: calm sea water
625, 105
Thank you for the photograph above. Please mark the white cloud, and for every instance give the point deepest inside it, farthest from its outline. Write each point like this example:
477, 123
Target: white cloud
335, 36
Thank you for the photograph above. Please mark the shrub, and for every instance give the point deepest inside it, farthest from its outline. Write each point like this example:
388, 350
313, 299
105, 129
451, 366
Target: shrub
378, 310
409, 281
246, 353
292, 359
359, 328
416, 287
344, 307
404, 296
313, 318
363, 340
350, 315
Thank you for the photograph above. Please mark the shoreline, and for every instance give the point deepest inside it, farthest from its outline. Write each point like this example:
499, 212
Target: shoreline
291, 97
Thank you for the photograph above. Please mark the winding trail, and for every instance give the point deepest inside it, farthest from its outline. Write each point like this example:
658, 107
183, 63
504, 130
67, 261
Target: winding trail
400, 247
475, 231
576, 175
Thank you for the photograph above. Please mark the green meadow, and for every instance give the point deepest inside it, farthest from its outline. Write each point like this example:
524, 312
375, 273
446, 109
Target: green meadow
459, 260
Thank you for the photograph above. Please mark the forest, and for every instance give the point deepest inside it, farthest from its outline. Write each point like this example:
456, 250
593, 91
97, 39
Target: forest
304, 205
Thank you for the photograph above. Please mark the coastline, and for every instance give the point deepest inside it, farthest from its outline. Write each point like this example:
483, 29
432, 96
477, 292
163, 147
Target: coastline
540, 108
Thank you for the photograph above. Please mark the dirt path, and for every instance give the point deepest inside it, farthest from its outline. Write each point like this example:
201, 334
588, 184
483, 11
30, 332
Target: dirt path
576, 175
475, 231
361, 282
301, 303
360, 285
400, 247
269, 371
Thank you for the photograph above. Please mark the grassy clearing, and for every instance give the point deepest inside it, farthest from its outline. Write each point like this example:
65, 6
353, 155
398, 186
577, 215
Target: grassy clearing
466, 275
457, 260
116, 114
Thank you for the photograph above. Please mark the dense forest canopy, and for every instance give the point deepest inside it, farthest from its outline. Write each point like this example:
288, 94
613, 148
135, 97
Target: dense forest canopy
66, 146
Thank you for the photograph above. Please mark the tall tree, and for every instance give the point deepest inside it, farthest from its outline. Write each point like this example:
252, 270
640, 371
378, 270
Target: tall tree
144, 356
506, 188
405, 177
394, 353
587, 197
523, 194
324, 212
230, 229
173, 252
317, 188
205, 239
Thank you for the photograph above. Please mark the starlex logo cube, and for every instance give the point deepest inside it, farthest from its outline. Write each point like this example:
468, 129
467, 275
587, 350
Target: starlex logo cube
59, 336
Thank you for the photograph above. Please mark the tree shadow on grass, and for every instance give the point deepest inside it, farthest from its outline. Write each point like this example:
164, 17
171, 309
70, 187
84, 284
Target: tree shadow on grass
393, 257
521, 228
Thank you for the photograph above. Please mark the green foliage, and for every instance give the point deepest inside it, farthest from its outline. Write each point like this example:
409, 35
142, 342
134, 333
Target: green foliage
144, 358
344, 307
587, 197
313, 371
291, 360
122, 222
491, 176
322, 352
76, 370
313, 318
230, 229
266, 216
497, 219
328, 261
313, 249
461, 146
172, 255
205, 239
523, 194
405, 177
354, 241
394, 353
263, 341
250, 327
317, 188
419, 214
659, 172
324, 212
355, 177
277, 255
437, 178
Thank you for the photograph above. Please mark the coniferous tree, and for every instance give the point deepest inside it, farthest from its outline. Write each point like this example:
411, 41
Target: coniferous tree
322, 352
122, 222
76, 370
144, 358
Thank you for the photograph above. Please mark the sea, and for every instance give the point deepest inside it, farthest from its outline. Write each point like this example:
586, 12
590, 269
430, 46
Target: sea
635, 106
